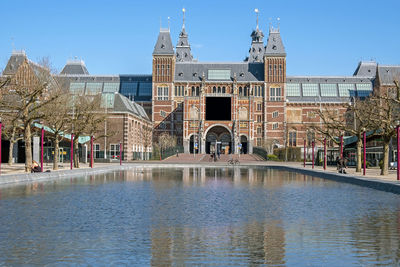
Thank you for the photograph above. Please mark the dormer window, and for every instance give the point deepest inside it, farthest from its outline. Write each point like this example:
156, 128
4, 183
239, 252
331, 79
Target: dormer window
162, 45
180, 74
241, 74
194, 74
182, 43
274, 47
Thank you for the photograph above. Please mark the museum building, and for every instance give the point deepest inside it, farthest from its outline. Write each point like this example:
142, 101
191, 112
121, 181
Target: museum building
240, 105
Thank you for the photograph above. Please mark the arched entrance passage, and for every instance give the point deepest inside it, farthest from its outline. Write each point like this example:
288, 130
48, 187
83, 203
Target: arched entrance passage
218, 137
243, 141
193, 141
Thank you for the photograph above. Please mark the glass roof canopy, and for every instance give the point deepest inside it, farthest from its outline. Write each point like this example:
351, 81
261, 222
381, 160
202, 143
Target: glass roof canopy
328, 89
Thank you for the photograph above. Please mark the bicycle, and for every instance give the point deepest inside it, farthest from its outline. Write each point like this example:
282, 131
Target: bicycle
233, 162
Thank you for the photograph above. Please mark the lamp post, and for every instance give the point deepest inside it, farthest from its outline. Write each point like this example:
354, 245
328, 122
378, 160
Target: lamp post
312, 144
325, 153
304, 152
72, 149
91, 152
364, 150
398, 149
120, 153
341, 146
1, 125
41, 150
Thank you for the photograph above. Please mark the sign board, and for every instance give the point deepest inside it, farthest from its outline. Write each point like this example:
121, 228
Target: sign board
195, 145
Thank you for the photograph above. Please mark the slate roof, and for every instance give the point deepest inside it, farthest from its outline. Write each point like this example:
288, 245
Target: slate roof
388, 73
75, 67
366, 69
245, 72
274, 45
183, 52
164, 44
16, 59
256, 52
123, 104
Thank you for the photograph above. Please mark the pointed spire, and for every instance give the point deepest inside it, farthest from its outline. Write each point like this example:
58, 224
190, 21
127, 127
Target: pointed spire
257, 44
183, 22
183, 52
256, 10
164, 44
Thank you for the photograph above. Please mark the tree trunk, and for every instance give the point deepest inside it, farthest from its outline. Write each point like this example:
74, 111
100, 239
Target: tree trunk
76, 153
10, 153
56, 153
385, 166
28, 148
359, 153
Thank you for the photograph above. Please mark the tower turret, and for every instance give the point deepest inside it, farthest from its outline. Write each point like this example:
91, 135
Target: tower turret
256, 51
183, 52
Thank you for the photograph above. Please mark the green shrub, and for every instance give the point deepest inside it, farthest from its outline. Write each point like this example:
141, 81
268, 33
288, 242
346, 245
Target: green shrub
272, 157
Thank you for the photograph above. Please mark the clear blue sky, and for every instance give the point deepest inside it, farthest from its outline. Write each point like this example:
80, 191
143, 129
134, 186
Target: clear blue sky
118, 37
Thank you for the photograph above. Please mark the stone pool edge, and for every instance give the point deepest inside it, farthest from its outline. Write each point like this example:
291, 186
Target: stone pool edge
378, 184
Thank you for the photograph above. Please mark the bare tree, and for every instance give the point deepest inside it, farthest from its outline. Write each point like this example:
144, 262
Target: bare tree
165, 141
86, 118
146, 133
24, 97
56, 117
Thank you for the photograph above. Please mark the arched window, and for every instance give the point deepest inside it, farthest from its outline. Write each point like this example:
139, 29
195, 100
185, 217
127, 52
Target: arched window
246, 89
240, 91
219, 89
292, 138
223, 89
214, 89
197, 91
193, 91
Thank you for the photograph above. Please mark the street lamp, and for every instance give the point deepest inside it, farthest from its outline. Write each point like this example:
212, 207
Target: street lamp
364, 150
398, 149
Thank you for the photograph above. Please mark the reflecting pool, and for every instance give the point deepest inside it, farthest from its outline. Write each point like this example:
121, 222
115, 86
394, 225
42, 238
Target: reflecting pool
191, 216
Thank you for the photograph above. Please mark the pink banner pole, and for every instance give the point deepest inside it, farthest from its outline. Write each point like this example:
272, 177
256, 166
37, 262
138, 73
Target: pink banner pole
72, 149
364, 151
341, 146
304, 152
1, 125
324, 153
398, 151
313, 154
41, 151
120, 154
91, 152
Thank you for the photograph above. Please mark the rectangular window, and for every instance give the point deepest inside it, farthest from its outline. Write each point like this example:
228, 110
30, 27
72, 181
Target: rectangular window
93, 88
114, 151
162, 70
162, 93
292, 138
275, 94
259, 106
275, 126
293, 89
77, 88
258, 130
274, 69
219, 74
346, 89
275, 114
111, 87
310, 89
167, 70
158, 69
258, 118
363, 89
328, 89
280, 69
96, 151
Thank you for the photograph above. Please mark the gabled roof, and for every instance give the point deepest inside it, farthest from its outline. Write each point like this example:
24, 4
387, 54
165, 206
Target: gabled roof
123, 104
164, 44
193, 71
388, 74
274, 45
16, 59
75, 67
366, 69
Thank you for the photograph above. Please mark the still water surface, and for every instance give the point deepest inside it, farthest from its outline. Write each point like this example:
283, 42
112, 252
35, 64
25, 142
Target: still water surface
190, 216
